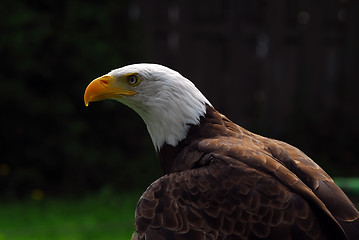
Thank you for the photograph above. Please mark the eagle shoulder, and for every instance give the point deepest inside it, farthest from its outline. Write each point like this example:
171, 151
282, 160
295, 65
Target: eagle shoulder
224, 181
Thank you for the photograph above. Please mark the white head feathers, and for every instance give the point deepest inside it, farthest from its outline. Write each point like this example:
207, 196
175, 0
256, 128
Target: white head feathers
166, 101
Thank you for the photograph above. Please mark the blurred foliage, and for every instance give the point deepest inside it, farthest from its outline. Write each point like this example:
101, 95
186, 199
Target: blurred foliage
50, 51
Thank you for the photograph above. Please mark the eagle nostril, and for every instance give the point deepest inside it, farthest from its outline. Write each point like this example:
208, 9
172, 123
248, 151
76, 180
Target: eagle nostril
104, 83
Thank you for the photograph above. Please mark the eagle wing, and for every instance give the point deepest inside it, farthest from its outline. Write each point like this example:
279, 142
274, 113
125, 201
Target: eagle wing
226, 199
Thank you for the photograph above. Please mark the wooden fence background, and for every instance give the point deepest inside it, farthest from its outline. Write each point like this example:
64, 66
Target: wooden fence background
288, 69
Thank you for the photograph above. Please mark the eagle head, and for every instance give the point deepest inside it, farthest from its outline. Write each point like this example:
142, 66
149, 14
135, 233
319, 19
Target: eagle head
167, 102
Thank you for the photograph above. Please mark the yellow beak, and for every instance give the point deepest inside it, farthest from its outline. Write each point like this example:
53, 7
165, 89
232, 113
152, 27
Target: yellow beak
104, 88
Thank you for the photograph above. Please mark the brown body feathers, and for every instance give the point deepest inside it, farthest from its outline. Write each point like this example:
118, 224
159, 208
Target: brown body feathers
224, 182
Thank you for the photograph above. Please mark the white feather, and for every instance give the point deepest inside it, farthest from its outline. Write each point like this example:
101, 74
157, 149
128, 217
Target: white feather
166, 101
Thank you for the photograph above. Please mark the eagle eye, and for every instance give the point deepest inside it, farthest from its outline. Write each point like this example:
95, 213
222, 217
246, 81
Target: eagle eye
132, 80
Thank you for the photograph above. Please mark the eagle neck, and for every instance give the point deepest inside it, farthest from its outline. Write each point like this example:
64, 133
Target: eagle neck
186, 154
170, 113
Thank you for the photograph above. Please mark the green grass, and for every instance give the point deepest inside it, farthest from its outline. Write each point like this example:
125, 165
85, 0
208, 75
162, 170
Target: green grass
351, 187
351, 184
101, 217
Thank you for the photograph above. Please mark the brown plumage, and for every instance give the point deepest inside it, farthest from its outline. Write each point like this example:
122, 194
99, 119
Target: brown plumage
224, 182
221, 181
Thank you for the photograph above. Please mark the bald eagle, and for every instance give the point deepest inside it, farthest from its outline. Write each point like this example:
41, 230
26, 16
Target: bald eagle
220, 180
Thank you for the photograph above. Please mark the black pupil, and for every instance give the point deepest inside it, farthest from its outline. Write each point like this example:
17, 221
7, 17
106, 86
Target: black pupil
133, 79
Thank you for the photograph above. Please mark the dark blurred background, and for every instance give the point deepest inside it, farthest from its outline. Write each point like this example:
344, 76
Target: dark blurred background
284, 69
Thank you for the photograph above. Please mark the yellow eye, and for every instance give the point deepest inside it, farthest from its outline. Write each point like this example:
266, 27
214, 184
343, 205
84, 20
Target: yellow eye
132, 80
